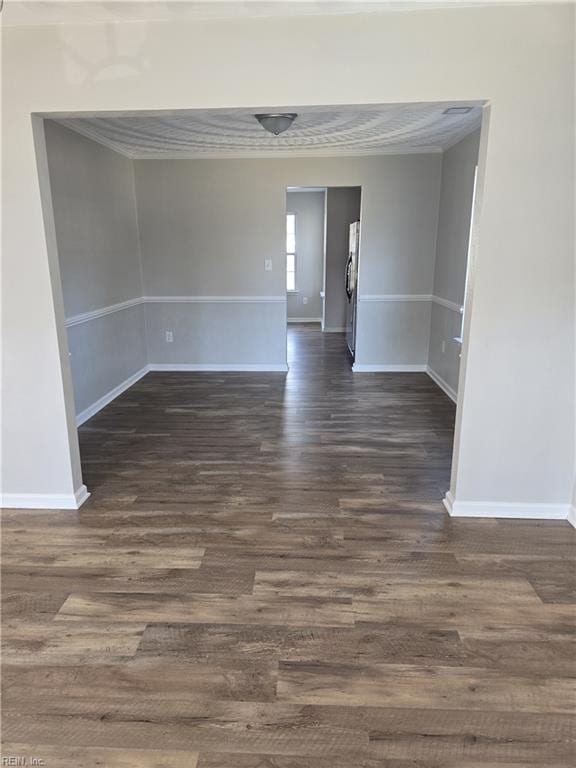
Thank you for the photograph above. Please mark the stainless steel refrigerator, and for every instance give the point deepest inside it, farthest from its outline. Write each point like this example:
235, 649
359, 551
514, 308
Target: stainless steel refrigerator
351, 285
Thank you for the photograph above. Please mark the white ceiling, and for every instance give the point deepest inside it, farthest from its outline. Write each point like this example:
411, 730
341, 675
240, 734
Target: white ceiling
42, 12
374, 130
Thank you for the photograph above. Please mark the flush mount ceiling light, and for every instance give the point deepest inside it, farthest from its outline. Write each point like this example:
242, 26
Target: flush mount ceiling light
457, 110
276, 123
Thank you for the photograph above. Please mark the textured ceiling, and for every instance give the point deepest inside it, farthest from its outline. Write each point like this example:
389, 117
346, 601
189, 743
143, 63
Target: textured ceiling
376, 130
42, 12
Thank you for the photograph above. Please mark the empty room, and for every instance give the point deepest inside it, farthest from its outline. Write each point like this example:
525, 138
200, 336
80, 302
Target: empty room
288, 385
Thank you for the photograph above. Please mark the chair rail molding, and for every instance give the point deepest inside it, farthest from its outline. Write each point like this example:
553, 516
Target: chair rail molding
381, 297
448, 304
95, 314
409, 297
213, 299
389, 368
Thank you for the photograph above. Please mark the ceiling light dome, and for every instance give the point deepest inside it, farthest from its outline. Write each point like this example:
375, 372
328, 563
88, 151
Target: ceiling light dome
276, 123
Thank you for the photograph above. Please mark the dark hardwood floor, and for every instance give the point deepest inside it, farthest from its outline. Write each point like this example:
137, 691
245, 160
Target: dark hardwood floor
265, 577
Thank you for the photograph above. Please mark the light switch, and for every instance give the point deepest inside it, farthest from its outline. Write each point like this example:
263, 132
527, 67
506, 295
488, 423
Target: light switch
169, 336
268, 265
305, 300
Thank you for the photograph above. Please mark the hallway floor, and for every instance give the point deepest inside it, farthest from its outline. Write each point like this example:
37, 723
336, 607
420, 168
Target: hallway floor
265, 577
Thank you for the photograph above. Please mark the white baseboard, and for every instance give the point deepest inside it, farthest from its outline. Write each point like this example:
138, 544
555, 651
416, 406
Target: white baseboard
510, 510
81, 496
44, 501
219, 367
444, 386
334, 330
448, 502
361, 368
304, 320
93, 409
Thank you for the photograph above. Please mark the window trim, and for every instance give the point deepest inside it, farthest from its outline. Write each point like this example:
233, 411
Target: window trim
292, 253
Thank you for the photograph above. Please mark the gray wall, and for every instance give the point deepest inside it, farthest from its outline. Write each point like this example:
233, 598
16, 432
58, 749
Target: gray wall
309, 208
206, 229
458, 166
217, 334
207, 226
342, 208
400, 197
94, 206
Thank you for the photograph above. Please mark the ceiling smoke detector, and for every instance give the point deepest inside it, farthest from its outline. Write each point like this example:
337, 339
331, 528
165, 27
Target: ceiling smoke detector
276, 123
457, 110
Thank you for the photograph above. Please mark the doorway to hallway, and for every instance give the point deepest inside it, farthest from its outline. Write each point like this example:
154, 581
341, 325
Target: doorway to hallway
322, 259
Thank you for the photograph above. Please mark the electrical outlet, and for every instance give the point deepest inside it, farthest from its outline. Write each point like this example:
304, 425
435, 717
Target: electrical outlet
169, 337
268, 265
443, 347
305, 300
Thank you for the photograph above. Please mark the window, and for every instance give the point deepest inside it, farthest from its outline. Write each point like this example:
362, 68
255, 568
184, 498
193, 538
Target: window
291, 251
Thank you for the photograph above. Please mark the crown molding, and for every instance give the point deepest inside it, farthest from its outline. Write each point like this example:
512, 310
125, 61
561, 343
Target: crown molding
278, 154
84, 130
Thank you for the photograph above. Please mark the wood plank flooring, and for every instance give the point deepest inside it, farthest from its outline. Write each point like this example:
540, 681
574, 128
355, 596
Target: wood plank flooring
264, 577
